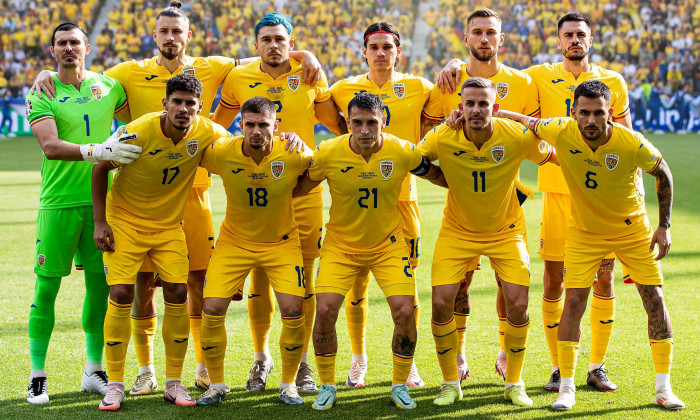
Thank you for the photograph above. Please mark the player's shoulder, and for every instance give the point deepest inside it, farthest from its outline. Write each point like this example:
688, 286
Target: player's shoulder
204, 123
331, 145
515, 74
508, 126
247, 70
352, 81
628, 135
144, 120
92, 77
232, 143
135, 65
542, 69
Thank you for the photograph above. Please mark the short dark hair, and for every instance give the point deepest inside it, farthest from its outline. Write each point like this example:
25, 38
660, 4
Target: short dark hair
478, 82
184, 83
174, 10
258, 105
482, 13
366, 101
592, 89
382, 27
274, 19
67, 26
573, 17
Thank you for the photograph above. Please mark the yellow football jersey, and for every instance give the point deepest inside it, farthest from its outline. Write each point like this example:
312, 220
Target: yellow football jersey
556, 87
150, 193
482, 203
295, 100
259, 212
404, 98
364, 217
604, 200
515, 91
146, 81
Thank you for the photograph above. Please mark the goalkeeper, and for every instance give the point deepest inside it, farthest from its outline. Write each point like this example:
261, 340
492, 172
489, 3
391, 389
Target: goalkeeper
81, 113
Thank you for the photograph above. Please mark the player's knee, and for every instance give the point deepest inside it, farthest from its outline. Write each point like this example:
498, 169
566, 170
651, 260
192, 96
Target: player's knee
518, 313
291, 307
403, 315
175, 292
214, 307
121, 293
604, 287
442, 308
326, 314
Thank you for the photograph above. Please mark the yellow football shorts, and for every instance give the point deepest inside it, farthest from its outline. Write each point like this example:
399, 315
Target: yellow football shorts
583, 257
166, 249
231, 264
411, 229
199, 231
454, 257
338, 270
308, 213
556, 210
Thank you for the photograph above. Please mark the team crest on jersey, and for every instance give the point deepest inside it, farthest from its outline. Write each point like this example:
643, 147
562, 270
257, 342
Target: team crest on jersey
502, 90
29, 107
41, 260
399, 90
277, 168
497, 153
611, 161
192, 147
106, 270
96, 91
386, 167
293, 82
188, 70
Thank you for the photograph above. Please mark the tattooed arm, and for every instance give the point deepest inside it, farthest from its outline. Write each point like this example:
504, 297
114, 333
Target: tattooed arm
664, 193
528, 122
426, 125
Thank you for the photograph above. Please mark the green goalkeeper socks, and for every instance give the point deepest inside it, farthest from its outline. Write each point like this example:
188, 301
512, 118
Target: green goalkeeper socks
94, 310
41, 318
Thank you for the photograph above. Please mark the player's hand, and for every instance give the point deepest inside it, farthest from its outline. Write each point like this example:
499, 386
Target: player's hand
104, 237
311, 70
456, 119
294, 142
662, 238
44, 83
450, 76
114, 149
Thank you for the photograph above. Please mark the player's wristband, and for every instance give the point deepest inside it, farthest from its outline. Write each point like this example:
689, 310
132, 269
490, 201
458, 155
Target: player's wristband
88, 152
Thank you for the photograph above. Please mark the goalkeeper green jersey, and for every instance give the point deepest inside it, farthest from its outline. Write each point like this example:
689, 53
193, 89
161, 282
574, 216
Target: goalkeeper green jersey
82, 116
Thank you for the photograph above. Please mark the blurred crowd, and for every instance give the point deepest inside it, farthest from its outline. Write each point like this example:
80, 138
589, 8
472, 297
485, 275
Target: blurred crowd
654, 44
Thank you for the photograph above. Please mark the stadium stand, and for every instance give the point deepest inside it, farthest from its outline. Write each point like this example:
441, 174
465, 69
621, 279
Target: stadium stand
654, 44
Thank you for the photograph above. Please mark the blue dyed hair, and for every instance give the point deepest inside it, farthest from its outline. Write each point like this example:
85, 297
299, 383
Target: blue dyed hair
274, 19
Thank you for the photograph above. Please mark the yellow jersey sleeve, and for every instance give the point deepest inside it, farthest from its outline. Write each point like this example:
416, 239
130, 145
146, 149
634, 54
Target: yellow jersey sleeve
150, 193
120, 73
428, 147
259, 210
434, 109
534, 149
648, 157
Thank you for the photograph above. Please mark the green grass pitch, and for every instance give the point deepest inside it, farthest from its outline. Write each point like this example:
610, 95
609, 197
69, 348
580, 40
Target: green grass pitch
629, 358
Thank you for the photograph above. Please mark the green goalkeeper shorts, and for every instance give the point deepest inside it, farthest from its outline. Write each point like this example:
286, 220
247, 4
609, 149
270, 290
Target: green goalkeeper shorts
62, 234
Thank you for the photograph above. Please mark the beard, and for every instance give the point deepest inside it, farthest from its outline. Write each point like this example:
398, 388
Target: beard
483, 56
575, 55
169, 53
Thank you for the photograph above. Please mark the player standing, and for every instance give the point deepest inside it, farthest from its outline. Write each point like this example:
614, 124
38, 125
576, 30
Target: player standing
484, 220
277, 76
65, 126
142, 217
258, 231
609, 215
365, 171
515, 91
404, 96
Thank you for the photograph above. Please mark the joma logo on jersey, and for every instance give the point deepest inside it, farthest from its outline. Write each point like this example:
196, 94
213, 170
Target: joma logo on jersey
192, 147
96, 91
188, 70
293, 82
277, 168
386, 167
497, 153
611, 161
502, 90
399, 90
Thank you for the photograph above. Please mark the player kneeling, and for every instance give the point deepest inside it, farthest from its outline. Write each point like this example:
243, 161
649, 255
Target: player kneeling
259, 231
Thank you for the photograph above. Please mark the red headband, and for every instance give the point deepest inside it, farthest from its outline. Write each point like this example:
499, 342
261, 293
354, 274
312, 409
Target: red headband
381, 31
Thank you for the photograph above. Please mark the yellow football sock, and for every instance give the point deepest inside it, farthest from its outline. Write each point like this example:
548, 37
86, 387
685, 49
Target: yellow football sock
325, 363
602, 319
568, 353
446, 341
416, 304
291, 346
144, 329
195, 330
214, 345
261, 308
117, 331
176, 332
461, 325
402, 367
551, 315
515, 340
309, 305
662, 354
502, 333
356, 312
